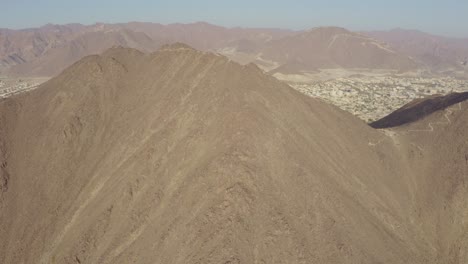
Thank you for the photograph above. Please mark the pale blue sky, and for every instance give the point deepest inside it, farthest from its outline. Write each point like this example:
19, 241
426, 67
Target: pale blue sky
444, 17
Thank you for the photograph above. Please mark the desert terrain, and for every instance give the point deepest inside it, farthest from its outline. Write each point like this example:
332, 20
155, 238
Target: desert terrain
369, 74
197, 143
185, 156
46, 50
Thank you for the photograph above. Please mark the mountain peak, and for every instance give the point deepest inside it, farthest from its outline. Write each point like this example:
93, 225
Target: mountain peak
329, 30
176, 46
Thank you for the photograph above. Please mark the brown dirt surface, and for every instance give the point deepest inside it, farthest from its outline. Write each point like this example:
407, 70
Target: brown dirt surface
332, 48
181, 156
435, 52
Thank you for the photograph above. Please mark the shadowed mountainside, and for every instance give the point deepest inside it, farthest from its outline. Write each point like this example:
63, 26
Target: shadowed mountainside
418, 109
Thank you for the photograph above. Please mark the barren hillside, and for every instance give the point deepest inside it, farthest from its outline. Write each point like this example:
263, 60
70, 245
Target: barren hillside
205, 36
48, 50
90, 41
20, 46
333, 47
181, 156
435, 52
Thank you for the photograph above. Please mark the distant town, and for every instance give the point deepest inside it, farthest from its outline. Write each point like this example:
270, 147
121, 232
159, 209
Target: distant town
12, 86
371, 98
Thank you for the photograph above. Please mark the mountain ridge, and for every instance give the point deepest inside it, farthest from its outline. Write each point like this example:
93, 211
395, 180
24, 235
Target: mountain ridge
34, 51
334, 47
435, 52
184, 156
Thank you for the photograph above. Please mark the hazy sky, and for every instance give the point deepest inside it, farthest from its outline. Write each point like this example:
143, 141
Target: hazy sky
445, 17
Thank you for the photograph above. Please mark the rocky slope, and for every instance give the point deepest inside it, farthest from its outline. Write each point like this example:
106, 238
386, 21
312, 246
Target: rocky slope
435, 52
53, 61
332, 47
205, 36
47, 50
181, 156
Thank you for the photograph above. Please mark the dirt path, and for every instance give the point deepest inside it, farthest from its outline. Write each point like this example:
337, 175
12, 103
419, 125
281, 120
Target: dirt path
388, 134
393, 135
430, 125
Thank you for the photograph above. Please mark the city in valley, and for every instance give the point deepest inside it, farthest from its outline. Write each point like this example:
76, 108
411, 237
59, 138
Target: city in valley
374, 97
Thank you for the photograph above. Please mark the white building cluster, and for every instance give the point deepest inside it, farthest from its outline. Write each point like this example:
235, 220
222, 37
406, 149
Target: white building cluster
9, 89
372, 98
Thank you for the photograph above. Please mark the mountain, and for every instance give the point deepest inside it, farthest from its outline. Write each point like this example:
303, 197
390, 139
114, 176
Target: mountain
21, 46
182, 156
333, 47
50, 49
56, 47
205, 36
439, 158
435, 52
419, 109
93, 42
47, 50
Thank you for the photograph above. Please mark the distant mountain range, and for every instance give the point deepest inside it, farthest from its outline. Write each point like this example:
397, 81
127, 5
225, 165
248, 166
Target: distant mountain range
333, 47
434, 52
47, 50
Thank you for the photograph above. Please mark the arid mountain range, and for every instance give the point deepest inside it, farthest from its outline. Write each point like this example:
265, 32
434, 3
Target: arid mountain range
50, 49
436, 52
47, 50
184, 156
332, 47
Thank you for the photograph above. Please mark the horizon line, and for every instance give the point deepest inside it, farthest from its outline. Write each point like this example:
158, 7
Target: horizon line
229, 27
